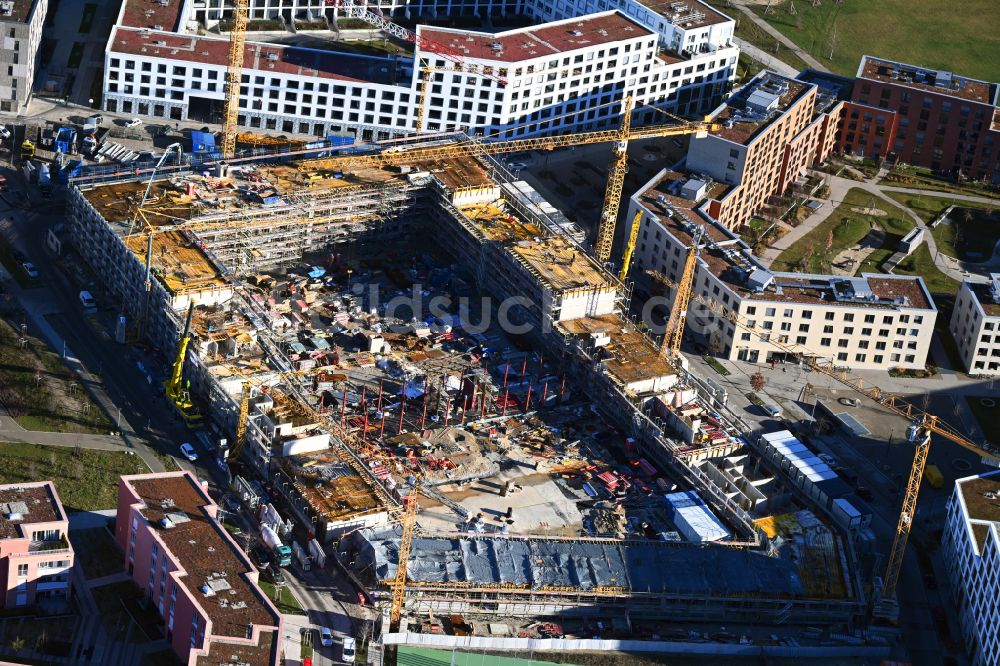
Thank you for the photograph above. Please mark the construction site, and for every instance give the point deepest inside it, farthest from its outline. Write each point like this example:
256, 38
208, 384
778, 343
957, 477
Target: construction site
367, 333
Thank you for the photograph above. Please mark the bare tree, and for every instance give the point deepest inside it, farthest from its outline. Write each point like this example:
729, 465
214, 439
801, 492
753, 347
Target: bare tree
757, 381
791, 8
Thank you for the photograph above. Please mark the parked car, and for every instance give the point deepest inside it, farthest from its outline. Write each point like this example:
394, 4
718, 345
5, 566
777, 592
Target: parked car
828, 459
135, 122
188, 452
274, 573
773, 411
347, 651
325, 636
4, 132
30, 270
517, 166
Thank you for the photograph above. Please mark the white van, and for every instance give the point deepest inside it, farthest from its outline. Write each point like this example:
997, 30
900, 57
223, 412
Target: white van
347, 652
773, 411
88, 303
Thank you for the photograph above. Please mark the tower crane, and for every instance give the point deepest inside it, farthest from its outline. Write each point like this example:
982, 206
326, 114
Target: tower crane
633, 237
613, 191
923, 426
234, 76
674, 333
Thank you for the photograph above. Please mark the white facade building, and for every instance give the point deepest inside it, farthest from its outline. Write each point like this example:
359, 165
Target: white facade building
871, 322
975, 324
21, 23
971, 548
579, 63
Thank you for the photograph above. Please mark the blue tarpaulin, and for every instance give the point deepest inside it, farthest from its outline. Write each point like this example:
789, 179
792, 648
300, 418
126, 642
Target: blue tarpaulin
202, 142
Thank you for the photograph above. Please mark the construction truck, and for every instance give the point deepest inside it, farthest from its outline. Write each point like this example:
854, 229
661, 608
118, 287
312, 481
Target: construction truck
176, 388
282, 553
27, 150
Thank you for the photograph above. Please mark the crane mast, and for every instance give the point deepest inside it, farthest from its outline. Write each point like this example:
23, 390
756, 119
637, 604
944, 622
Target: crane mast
674, 333
234, 77
409, 521
613, 191
633, 237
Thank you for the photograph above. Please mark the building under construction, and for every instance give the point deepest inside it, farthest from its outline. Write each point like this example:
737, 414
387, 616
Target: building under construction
338, 402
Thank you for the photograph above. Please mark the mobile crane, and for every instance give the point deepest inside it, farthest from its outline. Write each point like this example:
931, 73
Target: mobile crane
922, 427
175, 387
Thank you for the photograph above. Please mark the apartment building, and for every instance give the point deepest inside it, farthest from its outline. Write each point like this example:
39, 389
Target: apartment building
567, 74
971, 548
37, 558
935, 119
975, 324
872, 322
768, 134
21, 23
193, 573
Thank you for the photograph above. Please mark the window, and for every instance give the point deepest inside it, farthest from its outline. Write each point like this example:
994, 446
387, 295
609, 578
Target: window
22, 570
769, 312
800, 340
807, 314
751, 310
877, 359
860, 358
787, 313
825, 342
848, 317
829, 316
869, 319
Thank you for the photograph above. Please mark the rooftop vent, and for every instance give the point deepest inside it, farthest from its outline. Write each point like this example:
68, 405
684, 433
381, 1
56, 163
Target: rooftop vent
272, 56
160, 42
6, 8
575, 33
158, 27
166, 523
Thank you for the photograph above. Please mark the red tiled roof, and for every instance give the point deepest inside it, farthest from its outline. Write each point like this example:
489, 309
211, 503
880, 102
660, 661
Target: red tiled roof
200, 547
535, 42
275, 59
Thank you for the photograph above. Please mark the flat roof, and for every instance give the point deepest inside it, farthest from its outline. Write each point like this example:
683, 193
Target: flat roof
987, 294
571, 565
631, 356
25, 504
19, 10
740, 126
275, 59
930, 80
207, 556
536, 41
687, 14
498, 224
559, 264
177, 261
981, 497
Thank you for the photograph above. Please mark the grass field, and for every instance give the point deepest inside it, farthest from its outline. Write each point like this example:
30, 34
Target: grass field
750, 32
962, 37
847, 228
86, 479
285, 601
922, 263
39, 392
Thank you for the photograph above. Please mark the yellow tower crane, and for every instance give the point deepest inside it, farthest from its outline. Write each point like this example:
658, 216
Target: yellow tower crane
922, 427
234, 77
633, 237
409, 522
674, 333
613, 191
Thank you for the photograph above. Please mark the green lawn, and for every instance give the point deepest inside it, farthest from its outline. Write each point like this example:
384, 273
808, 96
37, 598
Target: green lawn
749, 31
929, 207
97, 552
116, 620
39, 392
922, 178
970, 235
921, 263
909, 31
810, 253
85, 479
285, 601
988, 417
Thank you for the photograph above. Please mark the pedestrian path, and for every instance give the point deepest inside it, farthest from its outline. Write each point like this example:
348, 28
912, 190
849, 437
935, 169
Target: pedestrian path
773, 32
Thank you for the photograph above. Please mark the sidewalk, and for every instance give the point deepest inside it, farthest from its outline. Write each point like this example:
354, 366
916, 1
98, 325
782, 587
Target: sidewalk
809, 60
765, 58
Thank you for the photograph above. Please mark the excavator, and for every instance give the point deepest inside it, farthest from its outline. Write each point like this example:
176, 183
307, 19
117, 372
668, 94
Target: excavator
177, 389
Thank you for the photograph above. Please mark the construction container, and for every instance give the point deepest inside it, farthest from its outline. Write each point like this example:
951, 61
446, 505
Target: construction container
693, 518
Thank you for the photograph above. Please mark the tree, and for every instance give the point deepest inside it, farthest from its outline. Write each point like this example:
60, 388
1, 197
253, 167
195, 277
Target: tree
757, 381
828, 243
17, 644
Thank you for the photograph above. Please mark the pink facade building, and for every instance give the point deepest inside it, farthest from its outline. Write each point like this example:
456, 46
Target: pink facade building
194, 574
36, 558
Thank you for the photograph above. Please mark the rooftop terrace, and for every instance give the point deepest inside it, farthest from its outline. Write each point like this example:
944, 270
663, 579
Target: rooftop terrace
687, 14
15, 11
981, 496
756, 105
929, 80
272, 58
536, 41
987, 294
25, 504
207, 556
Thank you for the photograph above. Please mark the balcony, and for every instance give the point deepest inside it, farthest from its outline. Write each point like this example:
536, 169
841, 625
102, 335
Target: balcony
49, 545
